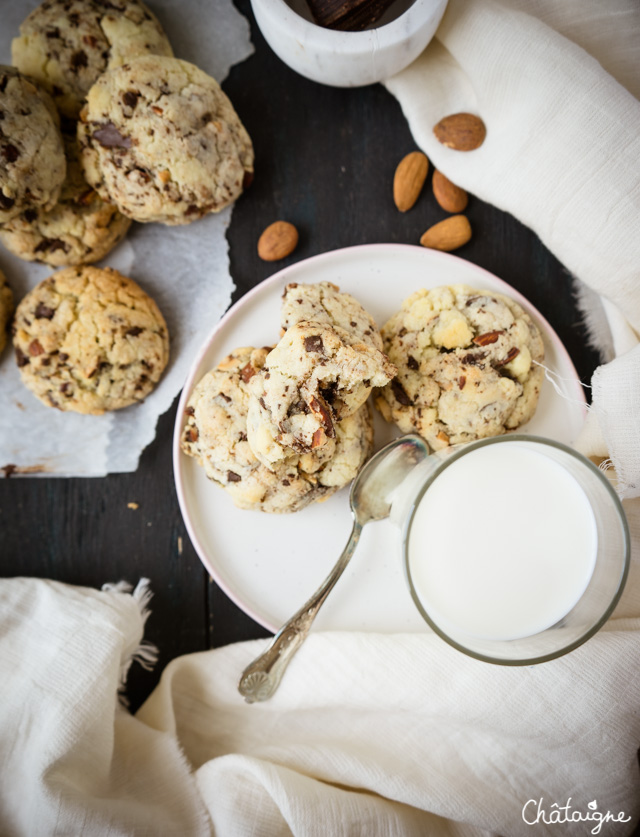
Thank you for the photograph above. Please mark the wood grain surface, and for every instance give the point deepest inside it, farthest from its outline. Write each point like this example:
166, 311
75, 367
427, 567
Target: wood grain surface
325, 160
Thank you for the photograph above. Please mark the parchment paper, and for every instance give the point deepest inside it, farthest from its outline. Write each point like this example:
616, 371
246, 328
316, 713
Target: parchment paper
185, 269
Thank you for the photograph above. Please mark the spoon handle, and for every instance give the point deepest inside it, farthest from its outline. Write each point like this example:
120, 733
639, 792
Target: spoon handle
261, 678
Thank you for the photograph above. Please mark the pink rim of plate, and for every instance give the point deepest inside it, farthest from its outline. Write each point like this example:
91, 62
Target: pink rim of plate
276, 278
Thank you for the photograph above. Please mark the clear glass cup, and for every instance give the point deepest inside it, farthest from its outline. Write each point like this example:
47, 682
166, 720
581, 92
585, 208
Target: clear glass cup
603, 590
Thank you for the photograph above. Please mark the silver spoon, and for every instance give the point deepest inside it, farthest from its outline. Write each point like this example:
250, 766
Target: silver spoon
371, 499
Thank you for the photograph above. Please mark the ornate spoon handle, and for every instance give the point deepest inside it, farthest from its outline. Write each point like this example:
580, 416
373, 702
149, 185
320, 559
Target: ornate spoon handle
261, 678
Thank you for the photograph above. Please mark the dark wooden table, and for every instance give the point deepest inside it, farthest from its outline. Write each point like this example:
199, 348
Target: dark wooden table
325, 160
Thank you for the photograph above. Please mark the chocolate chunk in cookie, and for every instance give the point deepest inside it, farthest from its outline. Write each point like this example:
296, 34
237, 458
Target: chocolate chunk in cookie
6, 309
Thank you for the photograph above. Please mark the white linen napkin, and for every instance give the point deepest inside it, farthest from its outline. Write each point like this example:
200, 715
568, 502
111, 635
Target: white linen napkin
74, 762
369, 734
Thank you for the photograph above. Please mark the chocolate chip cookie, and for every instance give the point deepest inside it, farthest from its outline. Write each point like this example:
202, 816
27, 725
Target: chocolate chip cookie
89, 339
323, 302
32, 162
80, 229
315, 377
162, 141
466, 365
215, 434
66, 45
6, 309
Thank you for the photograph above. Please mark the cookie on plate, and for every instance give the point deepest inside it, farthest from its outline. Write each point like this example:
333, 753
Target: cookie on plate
314, 378
215, 435
80, 229
65, 45
89, 340
323, 302
6, 309
467, 365
32, 162
161, 140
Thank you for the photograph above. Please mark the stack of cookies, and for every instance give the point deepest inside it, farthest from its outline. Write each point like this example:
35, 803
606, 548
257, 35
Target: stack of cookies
158, 139
279, 428
100, 126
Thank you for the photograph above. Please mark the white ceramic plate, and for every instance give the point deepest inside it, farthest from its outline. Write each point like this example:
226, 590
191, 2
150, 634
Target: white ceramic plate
270, 564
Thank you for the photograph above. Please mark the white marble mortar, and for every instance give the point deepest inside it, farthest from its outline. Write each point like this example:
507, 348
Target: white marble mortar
347, 59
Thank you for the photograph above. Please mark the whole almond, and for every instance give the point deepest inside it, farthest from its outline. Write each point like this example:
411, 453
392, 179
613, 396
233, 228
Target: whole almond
450, 197
449, 234
462, 131
409, 179
278, 241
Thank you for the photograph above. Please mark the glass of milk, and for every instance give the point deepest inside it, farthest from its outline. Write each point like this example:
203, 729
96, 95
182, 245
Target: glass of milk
516, 548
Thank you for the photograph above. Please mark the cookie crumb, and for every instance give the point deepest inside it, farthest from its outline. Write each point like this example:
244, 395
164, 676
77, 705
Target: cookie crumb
179, 545
133, 506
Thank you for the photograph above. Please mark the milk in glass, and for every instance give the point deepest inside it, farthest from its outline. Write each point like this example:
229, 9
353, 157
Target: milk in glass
502, 544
